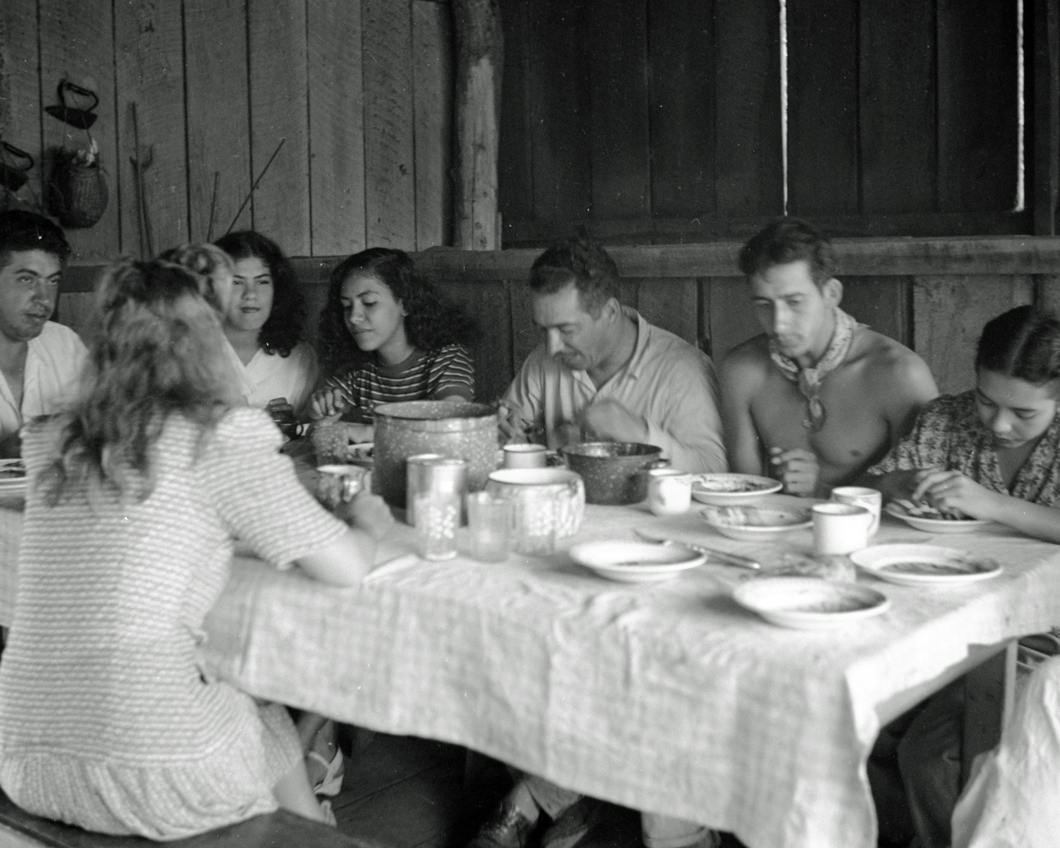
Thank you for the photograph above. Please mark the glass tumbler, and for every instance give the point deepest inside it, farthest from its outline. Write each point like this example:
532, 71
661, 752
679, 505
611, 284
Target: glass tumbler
330, 441
489, 526
534, 524
437, 517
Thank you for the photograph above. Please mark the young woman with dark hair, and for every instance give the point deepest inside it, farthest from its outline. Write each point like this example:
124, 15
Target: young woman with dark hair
264, 323
387, 334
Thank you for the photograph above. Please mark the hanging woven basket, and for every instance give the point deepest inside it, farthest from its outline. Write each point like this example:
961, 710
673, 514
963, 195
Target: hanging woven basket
78, 193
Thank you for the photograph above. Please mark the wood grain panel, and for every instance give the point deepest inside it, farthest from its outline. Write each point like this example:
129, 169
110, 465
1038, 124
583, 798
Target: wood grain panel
279, 112
488, 305
977, 120
432, 71
618, 92
682, 106
559, 109
525, 334
150, 74
1047, 291
822, 107
515, 162
672, 305
390, 189
20, 97
897, 93
77, 43
215, 59
880, 302
727, 313
336, 127
748, 154
948, 317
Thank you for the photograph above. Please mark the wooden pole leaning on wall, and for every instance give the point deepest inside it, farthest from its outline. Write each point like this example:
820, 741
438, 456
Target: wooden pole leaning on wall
479, 69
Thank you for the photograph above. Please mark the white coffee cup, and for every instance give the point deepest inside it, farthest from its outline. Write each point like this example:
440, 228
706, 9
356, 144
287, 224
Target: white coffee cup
871, 499
840, 528
525, 456
669, 491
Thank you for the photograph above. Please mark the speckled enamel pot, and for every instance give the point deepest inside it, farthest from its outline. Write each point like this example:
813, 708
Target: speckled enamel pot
465, 431
614, 472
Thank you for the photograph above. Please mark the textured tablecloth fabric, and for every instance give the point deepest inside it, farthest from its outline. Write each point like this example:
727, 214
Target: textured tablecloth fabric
664, 697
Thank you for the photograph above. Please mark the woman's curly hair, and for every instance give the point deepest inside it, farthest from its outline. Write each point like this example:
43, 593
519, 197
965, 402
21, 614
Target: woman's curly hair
284, 327
158, 352
432, 320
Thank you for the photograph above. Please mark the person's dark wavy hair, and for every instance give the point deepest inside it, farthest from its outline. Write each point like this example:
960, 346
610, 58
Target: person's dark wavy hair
788, 240
1023, 343
286, 322
433, 320
582, 261
21, 230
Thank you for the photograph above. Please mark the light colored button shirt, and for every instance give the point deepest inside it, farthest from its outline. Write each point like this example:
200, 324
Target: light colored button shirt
54, 362
667, 381
269, 376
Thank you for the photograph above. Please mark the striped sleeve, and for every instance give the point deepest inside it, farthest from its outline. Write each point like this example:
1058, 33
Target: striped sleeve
451, 372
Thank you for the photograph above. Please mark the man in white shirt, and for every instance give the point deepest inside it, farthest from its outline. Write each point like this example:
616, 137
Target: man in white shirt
604, 373
40, 361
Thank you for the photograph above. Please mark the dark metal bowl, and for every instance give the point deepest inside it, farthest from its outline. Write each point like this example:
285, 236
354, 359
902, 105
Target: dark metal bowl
614, 472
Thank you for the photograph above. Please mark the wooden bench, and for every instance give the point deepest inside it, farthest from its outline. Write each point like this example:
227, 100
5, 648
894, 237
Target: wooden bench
19, 829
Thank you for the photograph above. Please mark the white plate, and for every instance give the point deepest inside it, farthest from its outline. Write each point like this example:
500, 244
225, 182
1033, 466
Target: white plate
766, 523
809, 603
935, 525
940, 565
723, 489
636, 562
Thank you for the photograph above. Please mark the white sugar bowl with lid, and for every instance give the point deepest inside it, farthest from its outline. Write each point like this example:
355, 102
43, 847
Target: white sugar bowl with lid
562, 487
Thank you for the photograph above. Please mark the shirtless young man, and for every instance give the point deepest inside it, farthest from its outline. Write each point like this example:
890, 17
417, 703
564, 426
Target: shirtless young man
817, 398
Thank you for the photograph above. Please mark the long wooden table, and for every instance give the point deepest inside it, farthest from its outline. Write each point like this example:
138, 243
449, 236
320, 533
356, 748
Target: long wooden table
664, 697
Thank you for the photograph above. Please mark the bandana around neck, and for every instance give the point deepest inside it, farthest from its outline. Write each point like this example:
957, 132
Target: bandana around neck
809, 380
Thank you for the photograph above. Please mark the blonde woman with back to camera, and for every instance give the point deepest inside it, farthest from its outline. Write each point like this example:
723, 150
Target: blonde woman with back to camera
108, 718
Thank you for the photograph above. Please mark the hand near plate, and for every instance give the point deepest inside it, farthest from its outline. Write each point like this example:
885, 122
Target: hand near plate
367, 512
953, 493
328, 402
609, 420
798, 469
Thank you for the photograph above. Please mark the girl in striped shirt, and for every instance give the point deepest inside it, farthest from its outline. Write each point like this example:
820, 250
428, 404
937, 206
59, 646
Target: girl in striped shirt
386, 335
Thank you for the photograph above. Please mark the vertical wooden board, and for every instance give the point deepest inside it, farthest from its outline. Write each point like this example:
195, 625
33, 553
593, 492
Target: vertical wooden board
432, 70
149, 42
880, 302
672, 304
897, 96
336, 127
279, 111
525, 333
215, 73
488, 303
977, 120
390, 189
77, 43
559, 110
948, 316
618, 85
1041, 22
20, 97
822, 107
729, 315
681, 106
748, 163
514, 167
1047, 291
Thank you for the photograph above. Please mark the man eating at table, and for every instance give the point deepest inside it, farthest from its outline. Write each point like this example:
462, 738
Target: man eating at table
40, 361
817, 398
604, 373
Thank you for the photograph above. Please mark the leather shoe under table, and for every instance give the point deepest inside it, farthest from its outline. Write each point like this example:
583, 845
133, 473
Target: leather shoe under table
507, 828
572, 824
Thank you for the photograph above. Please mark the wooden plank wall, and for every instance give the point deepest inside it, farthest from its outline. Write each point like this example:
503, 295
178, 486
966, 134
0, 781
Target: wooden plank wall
663, 123
933, 295
357, 91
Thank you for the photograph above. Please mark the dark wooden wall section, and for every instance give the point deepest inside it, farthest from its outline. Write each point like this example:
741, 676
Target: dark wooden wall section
932, 295
359, 92
661, 122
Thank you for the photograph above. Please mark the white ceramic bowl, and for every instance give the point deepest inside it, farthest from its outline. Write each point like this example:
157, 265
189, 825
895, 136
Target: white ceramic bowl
756, 523
636, 562
809, 603
935, 525
723, 489
563, 487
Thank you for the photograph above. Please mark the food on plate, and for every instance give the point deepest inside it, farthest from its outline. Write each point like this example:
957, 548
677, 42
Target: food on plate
923, 510
954, 566
733, 484
749, 516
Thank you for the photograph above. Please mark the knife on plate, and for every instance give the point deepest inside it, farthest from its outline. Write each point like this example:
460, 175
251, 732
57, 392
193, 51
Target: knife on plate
722, 557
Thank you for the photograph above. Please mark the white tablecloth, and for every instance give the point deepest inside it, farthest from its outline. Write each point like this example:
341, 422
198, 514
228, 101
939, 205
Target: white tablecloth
664, 697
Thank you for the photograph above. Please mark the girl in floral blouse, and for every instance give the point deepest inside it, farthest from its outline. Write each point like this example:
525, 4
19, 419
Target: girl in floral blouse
991, 453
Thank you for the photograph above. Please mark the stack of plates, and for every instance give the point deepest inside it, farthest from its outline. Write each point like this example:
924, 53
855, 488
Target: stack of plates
12, 478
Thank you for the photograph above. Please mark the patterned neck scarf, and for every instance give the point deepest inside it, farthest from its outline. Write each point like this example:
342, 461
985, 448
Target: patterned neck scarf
809, 380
